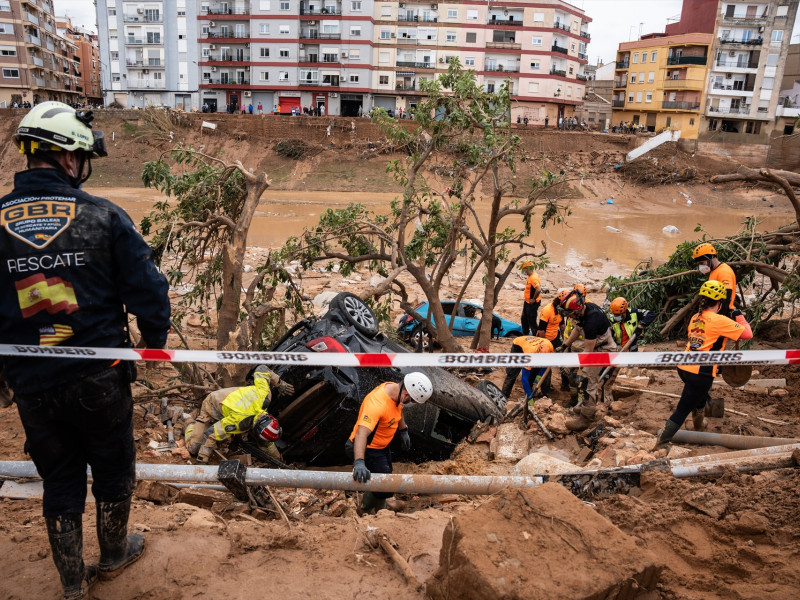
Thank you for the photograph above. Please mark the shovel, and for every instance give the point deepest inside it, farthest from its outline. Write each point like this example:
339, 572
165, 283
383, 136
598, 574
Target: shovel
604, 373
535, 391
736, 375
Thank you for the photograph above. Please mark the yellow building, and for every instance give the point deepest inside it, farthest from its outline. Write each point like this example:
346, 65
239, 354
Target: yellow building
659, 82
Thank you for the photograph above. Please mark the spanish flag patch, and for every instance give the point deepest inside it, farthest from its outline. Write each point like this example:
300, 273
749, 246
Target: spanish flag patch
37, 293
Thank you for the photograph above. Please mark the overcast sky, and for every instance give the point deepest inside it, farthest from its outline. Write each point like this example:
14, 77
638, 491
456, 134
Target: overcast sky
613, 21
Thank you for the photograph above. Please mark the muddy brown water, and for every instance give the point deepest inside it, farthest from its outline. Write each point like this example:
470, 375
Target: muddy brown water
624, 233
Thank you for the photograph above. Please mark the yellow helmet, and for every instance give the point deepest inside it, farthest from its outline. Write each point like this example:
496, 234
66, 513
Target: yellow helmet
704, 251
581, 288
619, 306
715, 290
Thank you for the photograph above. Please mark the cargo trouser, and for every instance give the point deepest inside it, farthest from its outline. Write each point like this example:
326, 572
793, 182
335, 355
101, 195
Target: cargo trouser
604, 343
197, 433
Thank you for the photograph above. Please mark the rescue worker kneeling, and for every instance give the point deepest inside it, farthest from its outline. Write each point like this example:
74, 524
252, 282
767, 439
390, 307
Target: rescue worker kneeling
234, 411
528, 344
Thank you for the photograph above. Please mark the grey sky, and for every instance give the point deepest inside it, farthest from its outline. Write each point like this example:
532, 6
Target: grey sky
613, 21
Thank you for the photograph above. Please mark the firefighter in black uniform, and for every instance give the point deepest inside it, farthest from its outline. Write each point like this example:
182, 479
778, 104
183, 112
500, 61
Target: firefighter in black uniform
71, 265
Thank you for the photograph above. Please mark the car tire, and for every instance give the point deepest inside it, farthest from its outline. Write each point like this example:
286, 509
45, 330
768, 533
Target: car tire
356, 313
493, 392
512, 334
414, 339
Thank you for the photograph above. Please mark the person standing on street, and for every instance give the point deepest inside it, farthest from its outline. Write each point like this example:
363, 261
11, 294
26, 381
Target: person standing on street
590, 322
708, 332
72, 267
705, 256
379, 419
533, 298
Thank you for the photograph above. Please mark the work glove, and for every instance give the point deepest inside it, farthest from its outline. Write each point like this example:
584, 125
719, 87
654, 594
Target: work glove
562, 348
285, 388
405, 440
361, 473
204, 454
736, 314
530, 401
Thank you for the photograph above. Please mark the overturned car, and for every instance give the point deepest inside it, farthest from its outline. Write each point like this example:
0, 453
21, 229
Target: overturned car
319, 417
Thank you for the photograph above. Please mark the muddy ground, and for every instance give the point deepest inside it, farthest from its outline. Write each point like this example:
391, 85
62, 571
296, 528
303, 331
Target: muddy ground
729, 536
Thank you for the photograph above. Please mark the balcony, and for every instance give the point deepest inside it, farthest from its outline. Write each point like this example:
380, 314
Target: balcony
38, 81
415, 65
150, 64
729, 110
504, 45
406, 87
676, 105
623, 64
39, 62
314, 35
309, 82
558, 72
683, 84
620, 83
408, 41
729, 42
154, 84
580, 77
229, 82
735, 64
734, 88
744, 21
787, 108
561, 26
585, 34
687, 60
31, 18
321, 11
557, 48
618, 103
230, 35
583, 56
143, 42
142, 19
79, 88
505, 22
229, 11
501, 69
33, 39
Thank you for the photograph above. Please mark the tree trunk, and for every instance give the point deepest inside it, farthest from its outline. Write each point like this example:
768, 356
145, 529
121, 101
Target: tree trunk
485, 329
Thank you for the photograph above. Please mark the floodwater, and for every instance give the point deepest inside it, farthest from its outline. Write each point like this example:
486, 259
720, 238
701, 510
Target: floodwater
625, 233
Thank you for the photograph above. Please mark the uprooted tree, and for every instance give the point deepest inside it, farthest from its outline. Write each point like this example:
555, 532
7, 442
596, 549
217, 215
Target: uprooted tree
201, 238
765, 264
464, 135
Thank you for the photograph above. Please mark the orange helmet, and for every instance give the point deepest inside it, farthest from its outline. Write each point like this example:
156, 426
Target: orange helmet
704, 251
619, 306
573, 301
561, 294
581, 288
526, 264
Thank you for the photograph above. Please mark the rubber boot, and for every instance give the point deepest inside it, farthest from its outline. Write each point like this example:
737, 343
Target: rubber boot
118, 549
699, 420
581, 384
368, 502
666, 434
564, 380
65, 533
508, 386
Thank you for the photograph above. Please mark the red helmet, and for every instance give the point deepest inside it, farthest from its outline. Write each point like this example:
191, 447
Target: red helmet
266, 428
573, 301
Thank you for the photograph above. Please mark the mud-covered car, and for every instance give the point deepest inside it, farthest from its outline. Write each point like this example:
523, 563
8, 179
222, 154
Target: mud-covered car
319, 417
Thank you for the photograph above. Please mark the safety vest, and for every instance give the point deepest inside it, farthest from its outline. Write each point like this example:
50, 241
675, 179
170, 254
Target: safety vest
569, 325
630, 327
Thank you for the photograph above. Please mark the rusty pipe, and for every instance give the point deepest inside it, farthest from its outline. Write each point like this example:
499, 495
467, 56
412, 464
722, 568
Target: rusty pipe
320, 480
737, 442
736, 455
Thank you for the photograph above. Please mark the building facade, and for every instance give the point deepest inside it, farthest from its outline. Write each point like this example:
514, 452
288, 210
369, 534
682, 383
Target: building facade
36, 63
88, 58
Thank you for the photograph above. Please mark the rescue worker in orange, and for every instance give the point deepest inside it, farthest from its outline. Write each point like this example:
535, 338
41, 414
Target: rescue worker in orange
708, 332
379, 419
533, 298
705, 256
528, 344
551, 322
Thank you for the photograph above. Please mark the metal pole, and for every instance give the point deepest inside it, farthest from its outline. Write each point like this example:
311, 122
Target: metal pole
320, 480
739, 454
737, 442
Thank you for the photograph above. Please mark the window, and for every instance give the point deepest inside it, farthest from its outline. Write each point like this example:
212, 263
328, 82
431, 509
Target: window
533, 87
355, 54
777, 35
535, 65
571, 69
207, 76
782, 11
768, 83
537, 41
490, 88
383, 57
283, 75
651, 77
636, 58
633, 77
353, 78
355, 31
114, 55
691, 121
283, 53
472, 15
572, 47
181, 36
114, 77
630, 97
11, 73
284, 6
157, 75
386, 11
452, 13
263, 28
355, 6
284, 30
263, 4
654, 56
538, 17
383, 80
712, 125
772, 60
181, 13
669, 121
569, 91
471, 37
265, 53
469, 61
648, 97
112, 12
451, 36
644, 57
638, 96
7, 28
753, 127
385, 34
263, 76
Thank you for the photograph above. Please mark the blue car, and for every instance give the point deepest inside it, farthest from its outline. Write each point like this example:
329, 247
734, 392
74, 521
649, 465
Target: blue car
467, 321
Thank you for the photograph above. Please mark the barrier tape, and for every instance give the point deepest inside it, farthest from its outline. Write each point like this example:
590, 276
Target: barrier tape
469, 361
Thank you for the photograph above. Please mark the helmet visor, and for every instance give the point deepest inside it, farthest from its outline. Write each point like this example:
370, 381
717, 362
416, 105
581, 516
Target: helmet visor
99, 145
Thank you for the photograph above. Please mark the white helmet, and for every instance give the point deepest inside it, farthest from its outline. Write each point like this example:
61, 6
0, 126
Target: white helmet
419, 387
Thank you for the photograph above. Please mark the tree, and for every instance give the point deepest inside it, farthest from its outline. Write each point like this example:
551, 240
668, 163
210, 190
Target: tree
207, 228
469, 132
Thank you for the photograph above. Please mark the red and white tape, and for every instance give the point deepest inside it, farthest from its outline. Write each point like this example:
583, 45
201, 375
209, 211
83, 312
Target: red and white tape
468, 361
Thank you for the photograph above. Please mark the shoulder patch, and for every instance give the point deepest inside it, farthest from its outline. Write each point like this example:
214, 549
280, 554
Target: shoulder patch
38, 221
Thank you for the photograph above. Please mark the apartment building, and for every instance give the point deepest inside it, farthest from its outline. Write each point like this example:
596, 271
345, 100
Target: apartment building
751, 45
660, 80
88, 58
36, 63
149, 52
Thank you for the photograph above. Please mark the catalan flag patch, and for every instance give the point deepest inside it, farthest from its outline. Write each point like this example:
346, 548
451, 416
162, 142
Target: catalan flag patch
53, 335
37, 293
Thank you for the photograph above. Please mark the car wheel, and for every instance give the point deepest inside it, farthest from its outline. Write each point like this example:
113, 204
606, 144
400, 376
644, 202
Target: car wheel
493, 392
420, 339
512, 334
357, 313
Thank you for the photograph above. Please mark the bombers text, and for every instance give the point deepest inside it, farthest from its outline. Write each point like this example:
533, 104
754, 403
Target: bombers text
696, 358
